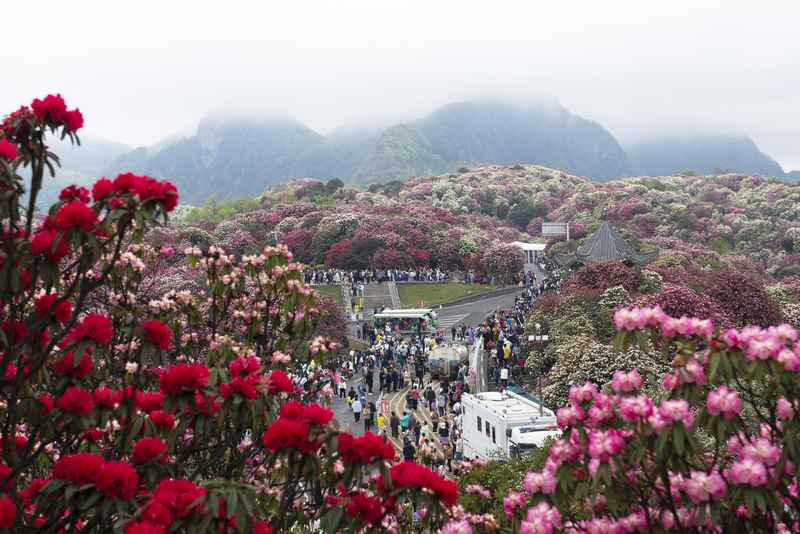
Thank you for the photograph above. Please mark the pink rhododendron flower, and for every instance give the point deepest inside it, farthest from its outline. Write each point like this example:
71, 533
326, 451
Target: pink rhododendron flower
605, 444
626, 382
724, 402
748, 472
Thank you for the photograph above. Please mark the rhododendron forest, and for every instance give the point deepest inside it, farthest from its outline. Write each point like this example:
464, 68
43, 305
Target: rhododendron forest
150, 372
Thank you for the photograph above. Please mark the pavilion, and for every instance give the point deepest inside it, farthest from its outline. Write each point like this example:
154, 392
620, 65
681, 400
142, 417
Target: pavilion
606, 244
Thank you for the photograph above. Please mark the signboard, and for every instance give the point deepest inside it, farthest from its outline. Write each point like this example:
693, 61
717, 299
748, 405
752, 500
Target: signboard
385, 408
555, 229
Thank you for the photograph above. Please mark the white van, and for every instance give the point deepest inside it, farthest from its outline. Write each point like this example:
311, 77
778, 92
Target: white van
503, 424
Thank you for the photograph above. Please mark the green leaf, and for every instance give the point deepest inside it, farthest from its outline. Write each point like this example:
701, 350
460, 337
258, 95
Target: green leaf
331, 520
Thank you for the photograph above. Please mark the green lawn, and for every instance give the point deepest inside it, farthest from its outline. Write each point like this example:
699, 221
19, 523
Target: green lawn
433, 294
333, 292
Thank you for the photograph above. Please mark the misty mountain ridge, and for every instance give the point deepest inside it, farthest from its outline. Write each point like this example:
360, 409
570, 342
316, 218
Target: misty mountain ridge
703, 153
81, 165
233, 157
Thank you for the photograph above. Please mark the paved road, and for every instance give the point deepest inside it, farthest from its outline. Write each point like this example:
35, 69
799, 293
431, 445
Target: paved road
473, 313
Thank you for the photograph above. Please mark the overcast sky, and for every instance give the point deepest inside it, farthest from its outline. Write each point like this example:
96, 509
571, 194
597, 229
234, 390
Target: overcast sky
144, 70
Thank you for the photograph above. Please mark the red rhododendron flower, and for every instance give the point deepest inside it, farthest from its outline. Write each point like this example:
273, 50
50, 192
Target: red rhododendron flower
8, 512
15, 330
169, 196
32, 490
107, 398
93, 435
47, 402
243, 366
94, 327
147, 188
75, 214
118, 480
179, 497
102, 188
77, 401
19, 442
148, 401
73, 120
143, 527
158, 334
126, 182
292, 410
280, 381
62, 311
8, 150
369, 509
247, 387
317, 415
262, 527
182, 377
205, 404
412, 475
364, 449
80, 469
73, 192
52, 107
162, 420
147, 449
156, 513
42, 243
286, 433
66, 365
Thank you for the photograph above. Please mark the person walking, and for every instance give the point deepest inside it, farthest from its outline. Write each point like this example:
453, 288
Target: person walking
405, 421
394, 423
368, 415
357, 408
409, 452
381, 424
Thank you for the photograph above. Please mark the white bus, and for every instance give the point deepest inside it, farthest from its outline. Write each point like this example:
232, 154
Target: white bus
408, 320
503, 424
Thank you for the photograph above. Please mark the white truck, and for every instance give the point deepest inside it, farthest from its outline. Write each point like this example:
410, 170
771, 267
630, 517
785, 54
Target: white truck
504, 424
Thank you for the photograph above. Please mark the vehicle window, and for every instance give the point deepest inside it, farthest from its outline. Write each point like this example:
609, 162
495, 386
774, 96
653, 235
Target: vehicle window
480, 424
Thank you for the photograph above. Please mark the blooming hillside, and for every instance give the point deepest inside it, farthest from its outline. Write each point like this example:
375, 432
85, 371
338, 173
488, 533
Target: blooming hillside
446, 220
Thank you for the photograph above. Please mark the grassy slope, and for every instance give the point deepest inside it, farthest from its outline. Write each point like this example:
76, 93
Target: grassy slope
433, 294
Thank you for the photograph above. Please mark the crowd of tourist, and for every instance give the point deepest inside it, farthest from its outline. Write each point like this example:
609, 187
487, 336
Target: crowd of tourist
427, 427
354, 278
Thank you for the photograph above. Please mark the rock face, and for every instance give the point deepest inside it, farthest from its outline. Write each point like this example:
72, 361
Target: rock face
702, 154
241, 157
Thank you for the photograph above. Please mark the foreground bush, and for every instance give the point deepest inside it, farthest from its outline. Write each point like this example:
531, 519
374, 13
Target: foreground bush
131, 410
718, 453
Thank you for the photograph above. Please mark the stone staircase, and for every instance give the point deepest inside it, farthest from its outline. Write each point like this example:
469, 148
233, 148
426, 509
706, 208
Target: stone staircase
377, 296
394, 295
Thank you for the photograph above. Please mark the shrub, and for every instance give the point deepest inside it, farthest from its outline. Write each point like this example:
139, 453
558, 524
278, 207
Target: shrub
712, 454
602, 275
744, 299
128, 411
504, 261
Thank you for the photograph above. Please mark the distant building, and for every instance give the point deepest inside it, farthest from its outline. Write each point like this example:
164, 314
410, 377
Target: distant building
606, 244
532, 251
